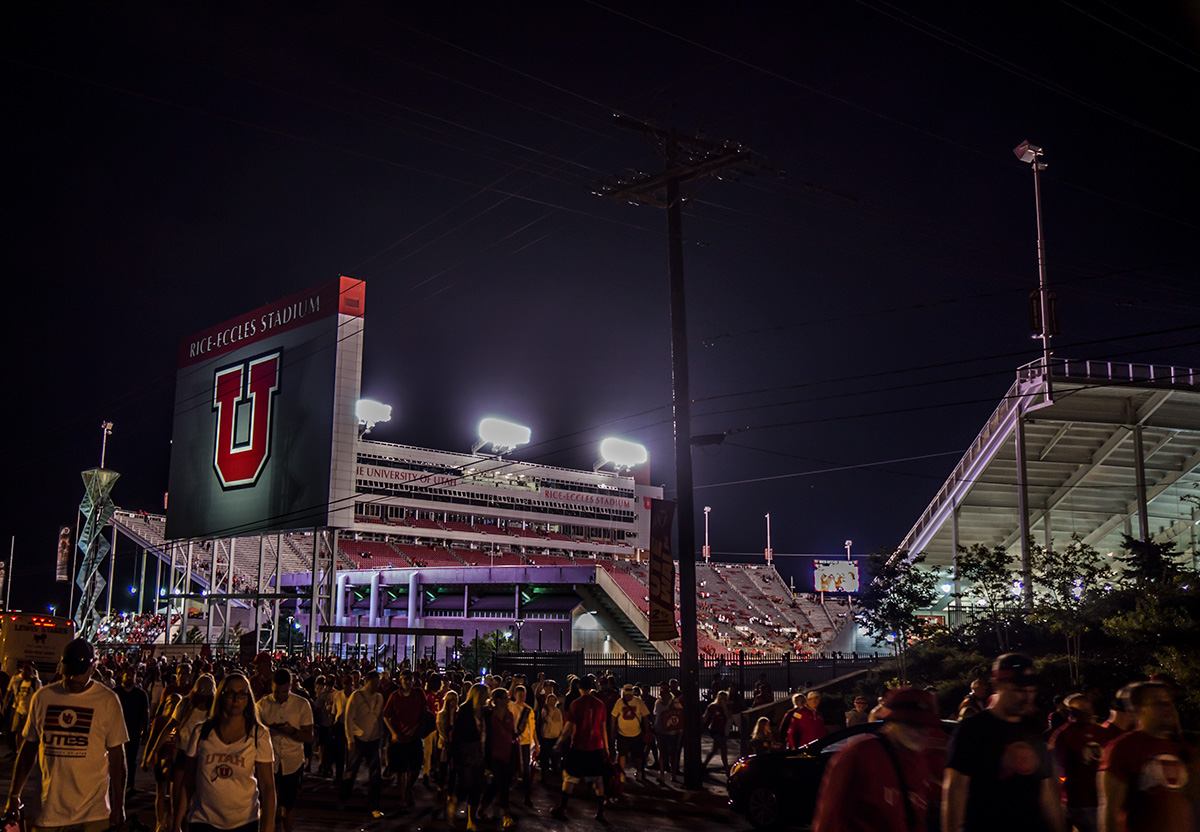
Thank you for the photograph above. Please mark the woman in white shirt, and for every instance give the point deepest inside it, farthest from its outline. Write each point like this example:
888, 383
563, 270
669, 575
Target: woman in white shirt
227, 782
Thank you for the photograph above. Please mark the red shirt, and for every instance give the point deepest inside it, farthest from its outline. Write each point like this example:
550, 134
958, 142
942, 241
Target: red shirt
861, 790
1077, 748
1156, 775
806, 726
589, 716
404, 712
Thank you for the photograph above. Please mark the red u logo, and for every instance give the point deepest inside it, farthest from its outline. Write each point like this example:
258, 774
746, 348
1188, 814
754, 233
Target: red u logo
240, 456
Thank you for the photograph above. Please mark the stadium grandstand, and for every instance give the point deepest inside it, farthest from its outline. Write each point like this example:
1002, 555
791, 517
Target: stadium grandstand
477, 543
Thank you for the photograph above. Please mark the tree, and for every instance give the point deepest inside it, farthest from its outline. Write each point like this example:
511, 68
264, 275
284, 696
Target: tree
899, 589
1148, 563
1067, 581
481, 652
992, 578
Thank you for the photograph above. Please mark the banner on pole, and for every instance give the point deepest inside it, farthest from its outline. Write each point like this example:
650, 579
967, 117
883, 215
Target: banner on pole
662, 572
62, 571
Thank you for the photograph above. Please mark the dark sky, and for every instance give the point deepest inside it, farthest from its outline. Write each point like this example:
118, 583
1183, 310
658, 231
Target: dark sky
863, 299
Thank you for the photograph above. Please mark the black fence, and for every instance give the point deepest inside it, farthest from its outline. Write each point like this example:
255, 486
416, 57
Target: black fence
785, 673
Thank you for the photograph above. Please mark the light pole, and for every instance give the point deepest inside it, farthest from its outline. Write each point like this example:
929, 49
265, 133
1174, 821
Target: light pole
106, 431
769, 552
1031, 154
848, 544
707, 550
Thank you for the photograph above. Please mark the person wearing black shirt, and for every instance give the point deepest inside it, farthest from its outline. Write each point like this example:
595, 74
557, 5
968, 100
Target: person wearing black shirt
998, 773
136, 706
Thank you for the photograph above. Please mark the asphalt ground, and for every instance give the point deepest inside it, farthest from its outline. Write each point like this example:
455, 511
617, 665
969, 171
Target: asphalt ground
643, 806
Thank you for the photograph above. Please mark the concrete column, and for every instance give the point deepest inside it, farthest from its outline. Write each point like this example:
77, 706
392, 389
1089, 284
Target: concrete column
414, 600
956, 618
373, 614
1139, 462
1023, 512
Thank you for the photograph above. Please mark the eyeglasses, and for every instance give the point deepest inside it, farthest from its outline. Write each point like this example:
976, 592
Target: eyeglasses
236, 694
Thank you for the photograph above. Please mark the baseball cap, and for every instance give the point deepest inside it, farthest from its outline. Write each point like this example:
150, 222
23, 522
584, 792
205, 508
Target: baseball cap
910, 705
1014, 667
78, 656
627, 689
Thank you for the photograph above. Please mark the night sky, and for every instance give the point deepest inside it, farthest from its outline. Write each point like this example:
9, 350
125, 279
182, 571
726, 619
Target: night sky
861, 298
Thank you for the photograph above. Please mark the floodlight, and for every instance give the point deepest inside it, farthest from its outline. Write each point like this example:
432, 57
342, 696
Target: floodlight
371, 413
621, 453
1027, 152
501, 435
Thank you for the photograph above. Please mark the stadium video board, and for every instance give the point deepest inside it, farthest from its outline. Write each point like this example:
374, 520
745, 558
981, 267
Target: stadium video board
835, 575
264, 404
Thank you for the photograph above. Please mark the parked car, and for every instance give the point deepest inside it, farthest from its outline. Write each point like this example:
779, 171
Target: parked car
780, 789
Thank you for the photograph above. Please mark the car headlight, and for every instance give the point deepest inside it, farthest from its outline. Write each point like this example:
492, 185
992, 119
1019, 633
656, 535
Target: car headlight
738, 766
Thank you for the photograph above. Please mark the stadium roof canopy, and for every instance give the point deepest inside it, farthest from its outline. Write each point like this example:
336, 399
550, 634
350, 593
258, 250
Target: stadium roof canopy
1109, 449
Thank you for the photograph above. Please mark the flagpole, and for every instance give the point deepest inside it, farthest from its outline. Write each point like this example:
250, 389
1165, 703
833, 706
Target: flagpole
8, 578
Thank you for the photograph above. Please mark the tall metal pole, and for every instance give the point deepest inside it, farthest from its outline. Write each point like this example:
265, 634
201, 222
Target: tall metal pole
8, 576
112, 563
689, 665
1031, 154
105, 432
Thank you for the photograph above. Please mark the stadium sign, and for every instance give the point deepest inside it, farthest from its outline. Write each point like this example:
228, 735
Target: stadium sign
264, 423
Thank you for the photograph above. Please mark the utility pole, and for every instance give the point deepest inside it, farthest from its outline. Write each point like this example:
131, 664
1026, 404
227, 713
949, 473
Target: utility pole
686, 161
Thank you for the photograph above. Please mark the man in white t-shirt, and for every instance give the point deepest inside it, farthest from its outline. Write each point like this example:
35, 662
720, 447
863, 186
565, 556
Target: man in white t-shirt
364, 729
290, 719
77, 731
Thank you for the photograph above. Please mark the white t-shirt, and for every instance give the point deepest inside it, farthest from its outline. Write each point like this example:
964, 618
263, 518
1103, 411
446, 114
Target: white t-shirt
296, 712
225, 794
187, 718
629, 716
74, 732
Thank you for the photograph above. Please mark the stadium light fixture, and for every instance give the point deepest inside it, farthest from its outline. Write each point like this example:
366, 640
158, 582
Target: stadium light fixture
370, 413
501, 435
621, 454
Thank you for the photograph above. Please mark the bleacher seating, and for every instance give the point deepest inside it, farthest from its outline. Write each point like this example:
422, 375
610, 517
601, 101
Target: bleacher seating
488, 528
425, 523
548, 560
486, 557
457, 526
559, 536
528, 534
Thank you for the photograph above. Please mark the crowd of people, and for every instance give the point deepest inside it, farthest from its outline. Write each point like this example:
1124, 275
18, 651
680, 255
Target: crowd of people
1002, 767
229, 748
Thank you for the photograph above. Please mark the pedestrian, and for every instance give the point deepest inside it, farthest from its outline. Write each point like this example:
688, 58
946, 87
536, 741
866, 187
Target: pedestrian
76, 732
762, 740
668, 730
136, 709
585, 742
443, 771
1077, 747
289, 718
467, 755
527, 738
628, 723
364, 732
883, 782
502, 749
976, 701
227, 779
159, 757
859, 713
16, 702
716, 722
1144, 774
807, 725
403, 715
998, 772
550, 723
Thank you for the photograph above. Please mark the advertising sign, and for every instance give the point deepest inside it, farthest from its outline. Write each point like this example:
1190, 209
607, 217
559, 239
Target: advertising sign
62, 571
662, 572
254, 428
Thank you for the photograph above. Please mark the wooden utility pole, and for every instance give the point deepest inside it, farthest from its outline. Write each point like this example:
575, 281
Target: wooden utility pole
687, 161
